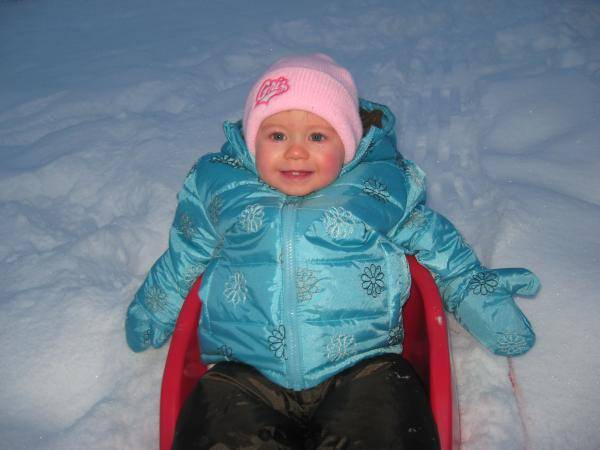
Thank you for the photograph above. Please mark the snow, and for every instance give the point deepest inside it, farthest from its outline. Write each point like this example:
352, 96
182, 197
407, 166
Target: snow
104, 106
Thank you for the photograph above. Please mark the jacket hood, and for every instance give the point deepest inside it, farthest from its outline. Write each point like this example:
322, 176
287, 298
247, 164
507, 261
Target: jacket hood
376, 144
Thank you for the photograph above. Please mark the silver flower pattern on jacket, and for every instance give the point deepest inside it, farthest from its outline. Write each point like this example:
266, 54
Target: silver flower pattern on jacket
235, 290
188, 278
252, 217
339, 223
214, 210
411, 172
307, 284
396, 335
340, 346
229, 160
185, 226
156, 298
415, 220
376, 189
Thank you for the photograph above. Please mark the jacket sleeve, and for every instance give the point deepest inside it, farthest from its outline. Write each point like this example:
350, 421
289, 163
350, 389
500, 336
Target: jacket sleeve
152, 314
437, 245
481, 299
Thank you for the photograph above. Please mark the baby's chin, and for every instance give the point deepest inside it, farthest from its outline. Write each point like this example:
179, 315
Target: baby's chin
293, 190
296, 191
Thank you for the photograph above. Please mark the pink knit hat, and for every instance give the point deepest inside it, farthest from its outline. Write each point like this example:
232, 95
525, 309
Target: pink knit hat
313, 83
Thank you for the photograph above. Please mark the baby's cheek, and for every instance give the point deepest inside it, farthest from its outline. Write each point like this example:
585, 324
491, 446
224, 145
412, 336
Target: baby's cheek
332, 166
263, 165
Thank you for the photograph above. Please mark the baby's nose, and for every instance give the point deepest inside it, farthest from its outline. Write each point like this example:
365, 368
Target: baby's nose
296, 151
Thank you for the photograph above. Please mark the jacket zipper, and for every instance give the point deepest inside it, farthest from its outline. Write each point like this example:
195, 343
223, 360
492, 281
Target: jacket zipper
290, 313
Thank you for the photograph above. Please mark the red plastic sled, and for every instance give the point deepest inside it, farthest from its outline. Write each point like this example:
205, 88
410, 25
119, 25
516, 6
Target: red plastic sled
425, 346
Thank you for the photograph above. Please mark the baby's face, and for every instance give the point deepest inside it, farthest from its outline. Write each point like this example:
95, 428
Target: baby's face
298, 152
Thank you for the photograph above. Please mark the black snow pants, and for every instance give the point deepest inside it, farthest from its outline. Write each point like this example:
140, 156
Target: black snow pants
379, 403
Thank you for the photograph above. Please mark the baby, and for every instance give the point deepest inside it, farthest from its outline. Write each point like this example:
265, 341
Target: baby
300, 226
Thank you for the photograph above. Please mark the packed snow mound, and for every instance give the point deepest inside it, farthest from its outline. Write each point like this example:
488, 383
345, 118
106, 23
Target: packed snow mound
546, 127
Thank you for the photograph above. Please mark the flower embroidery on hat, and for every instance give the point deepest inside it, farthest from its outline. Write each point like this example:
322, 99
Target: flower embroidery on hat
271, 88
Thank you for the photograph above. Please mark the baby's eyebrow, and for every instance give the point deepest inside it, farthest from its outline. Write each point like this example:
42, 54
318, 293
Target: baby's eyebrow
322, 127
271, 125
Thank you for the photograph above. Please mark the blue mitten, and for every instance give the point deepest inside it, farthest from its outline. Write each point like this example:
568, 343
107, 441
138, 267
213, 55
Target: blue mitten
487, 309
142, 331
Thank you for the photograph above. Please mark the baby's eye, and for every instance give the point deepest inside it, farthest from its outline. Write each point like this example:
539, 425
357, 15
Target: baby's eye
277, 136
317, 137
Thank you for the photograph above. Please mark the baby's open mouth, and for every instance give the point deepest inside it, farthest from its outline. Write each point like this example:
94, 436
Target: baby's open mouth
296, 174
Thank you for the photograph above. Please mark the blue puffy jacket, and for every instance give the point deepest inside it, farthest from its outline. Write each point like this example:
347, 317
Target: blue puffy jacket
304, 287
